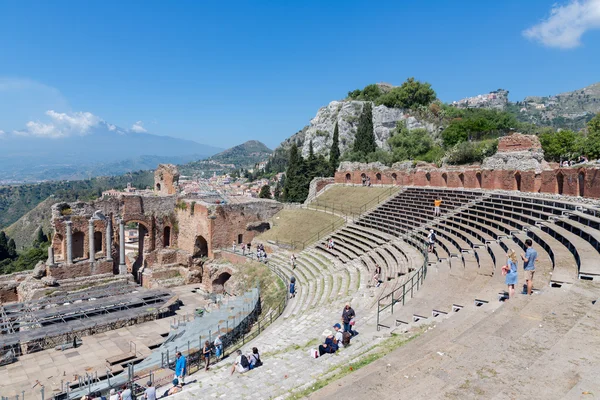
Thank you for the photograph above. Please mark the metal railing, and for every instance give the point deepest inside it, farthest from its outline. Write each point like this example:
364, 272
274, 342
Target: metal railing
346, 213
398, 294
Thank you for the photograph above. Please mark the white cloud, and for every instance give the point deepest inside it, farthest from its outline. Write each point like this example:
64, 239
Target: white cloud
2, 133
62, 125
138, 127
566, 24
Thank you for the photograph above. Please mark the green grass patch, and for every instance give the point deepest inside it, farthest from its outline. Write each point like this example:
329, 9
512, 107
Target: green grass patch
299, 226
272, 289
348, 200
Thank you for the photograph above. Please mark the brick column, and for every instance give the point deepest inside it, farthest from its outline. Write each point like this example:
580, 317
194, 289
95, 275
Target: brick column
69, 242
91, 244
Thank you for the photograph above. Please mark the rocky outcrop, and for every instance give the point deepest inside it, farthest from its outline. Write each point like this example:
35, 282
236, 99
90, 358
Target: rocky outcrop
347, 114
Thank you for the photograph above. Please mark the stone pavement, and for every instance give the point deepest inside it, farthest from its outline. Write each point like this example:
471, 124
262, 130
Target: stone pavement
324, 286
546, 346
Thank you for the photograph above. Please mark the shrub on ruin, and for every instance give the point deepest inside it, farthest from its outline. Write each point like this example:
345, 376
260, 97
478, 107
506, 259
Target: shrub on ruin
470, 152
410, 94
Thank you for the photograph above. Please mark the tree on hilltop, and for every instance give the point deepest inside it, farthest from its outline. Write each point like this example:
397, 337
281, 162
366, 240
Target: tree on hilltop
592, 141
410, 94
334, 152
364, 141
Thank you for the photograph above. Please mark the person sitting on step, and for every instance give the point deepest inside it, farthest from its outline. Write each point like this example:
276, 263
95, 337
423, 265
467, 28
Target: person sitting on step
330, 346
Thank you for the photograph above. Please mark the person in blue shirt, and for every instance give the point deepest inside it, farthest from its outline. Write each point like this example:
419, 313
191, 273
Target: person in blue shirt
529, 264
180, 367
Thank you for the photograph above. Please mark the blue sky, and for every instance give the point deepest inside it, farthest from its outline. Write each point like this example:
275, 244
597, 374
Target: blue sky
221, 73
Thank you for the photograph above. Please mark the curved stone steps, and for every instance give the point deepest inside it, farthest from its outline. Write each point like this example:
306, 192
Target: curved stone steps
495, 229
375, 235
360, 242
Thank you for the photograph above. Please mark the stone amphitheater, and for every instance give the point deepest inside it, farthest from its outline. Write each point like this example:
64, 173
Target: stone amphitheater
465, 342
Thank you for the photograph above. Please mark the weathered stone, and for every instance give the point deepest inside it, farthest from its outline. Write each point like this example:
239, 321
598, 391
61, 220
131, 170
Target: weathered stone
49, 281
347, 114
39, 271
166, 179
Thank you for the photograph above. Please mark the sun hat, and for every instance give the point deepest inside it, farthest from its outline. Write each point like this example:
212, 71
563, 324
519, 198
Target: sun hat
112, 391
327, 332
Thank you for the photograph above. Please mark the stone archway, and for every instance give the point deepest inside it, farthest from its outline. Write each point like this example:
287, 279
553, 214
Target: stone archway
78, 245
378, 177
145, 243
348, 178
445, 178
98, 243
478, 177
158, 186
518, 181
461, 177
218, 284
560, 181
581, 183
167, 236
428, 177
394, 177
200, 247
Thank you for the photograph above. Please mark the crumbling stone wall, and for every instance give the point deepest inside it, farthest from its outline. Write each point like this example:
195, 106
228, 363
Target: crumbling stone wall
221, 225
166, 179
519, 165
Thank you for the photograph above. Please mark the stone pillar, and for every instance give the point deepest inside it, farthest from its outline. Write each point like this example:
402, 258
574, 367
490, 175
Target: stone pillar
69, 242
91, 244
50, 261
122, 265
109, 239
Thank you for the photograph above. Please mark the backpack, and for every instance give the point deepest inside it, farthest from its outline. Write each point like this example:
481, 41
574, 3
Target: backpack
346, 338
244, 362
257, 363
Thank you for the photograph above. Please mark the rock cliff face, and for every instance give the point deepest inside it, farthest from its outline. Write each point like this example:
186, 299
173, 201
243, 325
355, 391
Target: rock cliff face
346, 114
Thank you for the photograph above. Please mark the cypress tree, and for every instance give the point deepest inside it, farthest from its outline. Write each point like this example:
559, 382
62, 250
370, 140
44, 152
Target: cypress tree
12, 249
3, 246
292, 175
364, 142
265, 192
334, 153
41, 238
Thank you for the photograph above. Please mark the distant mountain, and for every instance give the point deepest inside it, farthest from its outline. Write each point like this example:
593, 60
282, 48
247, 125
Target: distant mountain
103, 150
245, 155
569, 110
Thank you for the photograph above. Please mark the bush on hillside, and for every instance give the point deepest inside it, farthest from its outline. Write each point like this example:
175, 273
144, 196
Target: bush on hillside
470, 152
561, 145
410, 94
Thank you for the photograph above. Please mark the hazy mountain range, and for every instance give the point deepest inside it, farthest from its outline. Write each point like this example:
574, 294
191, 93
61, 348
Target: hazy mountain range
104, 149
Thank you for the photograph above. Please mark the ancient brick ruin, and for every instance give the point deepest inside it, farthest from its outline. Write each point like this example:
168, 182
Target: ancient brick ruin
176, 237
518, 165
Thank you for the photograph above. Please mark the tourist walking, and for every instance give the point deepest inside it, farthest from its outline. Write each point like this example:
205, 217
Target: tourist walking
126, 393
218, 343
113, 395
150, 392
206, 354
180, 367
511, 272
348, 319
431, 240
529, 264
293, 261
377, 275
436, 207
292, 286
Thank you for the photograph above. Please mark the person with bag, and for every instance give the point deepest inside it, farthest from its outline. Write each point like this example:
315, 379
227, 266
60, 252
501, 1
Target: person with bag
292, 286
254, 358
241, 363
330, 346
348, 319
377, 275
218, 343
510, 270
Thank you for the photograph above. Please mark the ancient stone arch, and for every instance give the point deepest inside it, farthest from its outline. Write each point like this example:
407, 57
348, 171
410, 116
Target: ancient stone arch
348, 178
394, 177
478, 177
218, 284
200, 247
98, 242
445, 178
378, 177
78, 245
581, 183
461, 176
518, 181
560, 181
428, 177
158, 187
167, 236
